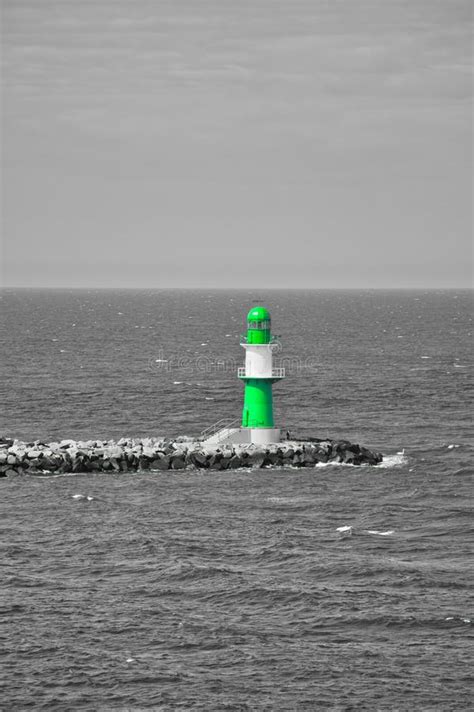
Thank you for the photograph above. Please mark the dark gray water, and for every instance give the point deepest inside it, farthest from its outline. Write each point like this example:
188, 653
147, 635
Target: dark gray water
234, 590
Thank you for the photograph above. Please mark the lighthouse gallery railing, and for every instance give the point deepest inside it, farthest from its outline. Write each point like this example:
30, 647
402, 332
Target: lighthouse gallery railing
276, 373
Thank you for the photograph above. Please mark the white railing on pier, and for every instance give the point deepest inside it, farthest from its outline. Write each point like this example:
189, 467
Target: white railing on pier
223, 423
276, 373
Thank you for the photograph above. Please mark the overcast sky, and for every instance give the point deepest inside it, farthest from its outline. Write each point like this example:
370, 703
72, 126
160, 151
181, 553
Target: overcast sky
272, 143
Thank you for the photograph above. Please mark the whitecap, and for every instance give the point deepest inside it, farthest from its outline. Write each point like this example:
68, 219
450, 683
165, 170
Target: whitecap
208, 398
345, 532
375, 531
161, 360
177, 383
425, 356
393, 460
78, 496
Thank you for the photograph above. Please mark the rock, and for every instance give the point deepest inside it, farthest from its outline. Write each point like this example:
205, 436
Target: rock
199, 459
235, 462
350, 458
370, 458
160, 463
214, 461
178, 463
11, 460
35, 462
7, 442
67, 443
256, 459
77, 465
324, 447
114, 452
10, 472
48, 463
273, 459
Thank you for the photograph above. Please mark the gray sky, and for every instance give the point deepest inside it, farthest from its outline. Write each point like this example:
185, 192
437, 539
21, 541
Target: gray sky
315, 143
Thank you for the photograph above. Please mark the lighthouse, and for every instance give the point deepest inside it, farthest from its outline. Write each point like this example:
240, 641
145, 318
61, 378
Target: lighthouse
259, 375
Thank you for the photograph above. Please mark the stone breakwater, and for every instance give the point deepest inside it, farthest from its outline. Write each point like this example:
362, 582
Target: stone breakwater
154, 454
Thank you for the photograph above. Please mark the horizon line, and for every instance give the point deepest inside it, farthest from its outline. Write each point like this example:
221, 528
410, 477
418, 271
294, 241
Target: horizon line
238, 289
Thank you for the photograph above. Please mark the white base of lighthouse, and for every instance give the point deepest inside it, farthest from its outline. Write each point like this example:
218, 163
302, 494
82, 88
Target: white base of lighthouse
262, 436
242, 436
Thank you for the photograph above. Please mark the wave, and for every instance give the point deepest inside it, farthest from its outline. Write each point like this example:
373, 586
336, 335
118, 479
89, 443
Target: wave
395, 460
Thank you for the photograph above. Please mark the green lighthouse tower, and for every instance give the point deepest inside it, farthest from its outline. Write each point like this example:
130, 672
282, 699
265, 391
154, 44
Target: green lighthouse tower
259, 375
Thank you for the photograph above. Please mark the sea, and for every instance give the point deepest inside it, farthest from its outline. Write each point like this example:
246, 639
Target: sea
328, 588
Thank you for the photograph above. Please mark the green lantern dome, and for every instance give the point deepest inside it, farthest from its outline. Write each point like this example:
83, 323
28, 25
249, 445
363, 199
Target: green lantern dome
258, 314
258, 326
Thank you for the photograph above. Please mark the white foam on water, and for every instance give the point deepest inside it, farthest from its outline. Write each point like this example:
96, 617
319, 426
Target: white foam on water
456, 618
345, 531
393, 460
375, 531
425, 356
78, 496
161, 360
177, 383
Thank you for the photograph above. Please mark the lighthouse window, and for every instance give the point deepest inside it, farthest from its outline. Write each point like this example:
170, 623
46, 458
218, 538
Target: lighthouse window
259, 324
